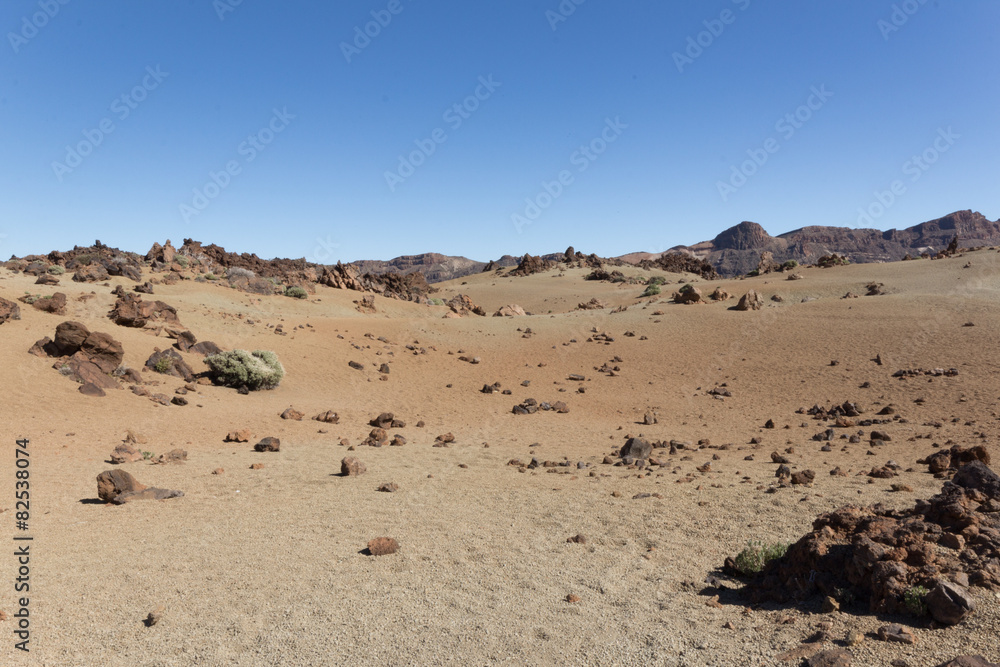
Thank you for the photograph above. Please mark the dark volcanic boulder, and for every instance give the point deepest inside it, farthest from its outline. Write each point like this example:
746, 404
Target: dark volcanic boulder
131, 311
91, 274
169, 362
977, 475
103, 351
69, 337
55, 304
949, 603
112, 483
9, 310
205, 348
750, 301
636, 448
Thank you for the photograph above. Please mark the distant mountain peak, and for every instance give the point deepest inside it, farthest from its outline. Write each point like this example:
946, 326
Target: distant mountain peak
744, 236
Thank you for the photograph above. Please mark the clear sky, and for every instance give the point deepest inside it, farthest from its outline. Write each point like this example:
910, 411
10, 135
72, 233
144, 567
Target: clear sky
488, 128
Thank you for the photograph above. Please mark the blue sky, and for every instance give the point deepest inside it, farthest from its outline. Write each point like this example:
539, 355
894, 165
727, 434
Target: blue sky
284, 130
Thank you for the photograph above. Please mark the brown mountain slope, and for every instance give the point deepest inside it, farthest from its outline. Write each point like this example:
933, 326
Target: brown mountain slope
434, 266
737, 250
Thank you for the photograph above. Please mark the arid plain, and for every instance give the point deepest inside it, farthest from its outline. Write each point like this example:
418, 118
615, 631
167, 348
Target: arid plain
267, 566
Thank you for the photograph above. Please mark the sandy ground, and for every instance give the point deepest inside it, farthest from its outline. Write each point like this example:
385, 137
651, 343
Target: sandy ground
265, 567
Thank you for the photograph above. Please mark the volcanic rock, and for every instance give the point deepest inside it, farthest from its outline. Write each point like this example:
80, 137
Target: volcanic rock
511, 310
352, 467
750, 301
328, 417
242, 435
462, 305
955, 457
9, 310
382, 546
125, 453
593, 304
688, 294
112, 483
949, 603
268, 444
878, 554
69, 338
636, 448
56, 304
969, 661
173, 363
91, 389
173, 456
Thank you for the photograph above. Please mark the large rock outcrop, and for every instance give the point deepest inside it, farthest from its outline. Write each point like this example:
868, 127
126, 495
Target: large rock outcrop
943, 544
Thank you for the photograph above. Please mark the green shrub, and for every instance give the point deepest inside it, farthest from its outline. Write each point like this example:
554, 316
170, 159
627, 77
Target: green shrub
84, 259
259, 369
211, 276
913, 599
790, 264
183, 261
56, 270
757, 555
753, 274
652, 290
296, 292
437, 302
163, 365
656, 280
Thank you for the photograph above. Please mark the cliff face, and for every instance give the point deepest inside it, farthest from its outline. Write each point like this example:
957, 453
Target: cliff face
737, 250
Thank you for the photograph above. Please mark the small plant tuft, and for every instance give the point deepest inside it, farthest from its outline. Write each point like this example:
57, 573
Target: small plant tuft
259, 369
651, 290
238, 272
164, 365
296, 292
757, 555
56, 270
913, 600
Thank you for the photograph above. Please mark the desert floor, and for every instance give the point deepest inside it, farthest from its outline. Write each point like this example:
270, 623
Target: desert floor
265, 567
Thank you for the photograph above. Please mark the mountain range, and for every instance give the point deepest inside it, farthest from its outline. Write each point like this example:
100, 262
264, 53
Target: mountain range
737, 250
